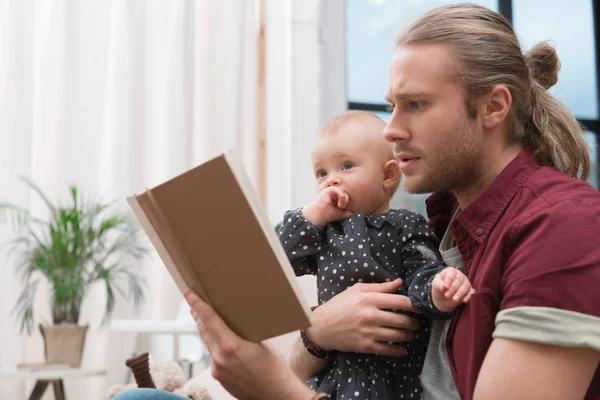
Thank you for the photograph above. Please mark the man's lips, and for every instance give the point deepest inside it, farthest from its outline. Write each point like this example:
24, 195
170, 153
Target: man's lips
406, 160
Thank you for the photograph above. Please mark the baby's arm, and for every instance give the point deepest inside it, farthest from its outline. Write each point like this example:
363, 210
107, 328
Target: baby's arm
450, 289
301, 241
421, 263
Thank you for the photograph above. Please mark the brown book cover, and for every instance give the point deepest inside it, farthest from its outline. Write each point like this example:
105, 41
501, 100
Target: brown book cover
214, 236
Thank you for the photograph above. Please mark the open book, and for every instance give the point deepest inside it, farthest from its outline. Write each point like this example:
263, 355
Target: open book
214, 236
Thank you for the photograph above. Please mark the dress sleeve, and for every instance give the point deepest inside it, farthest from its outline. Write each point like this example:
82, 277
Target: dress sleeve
421, 262
301, 240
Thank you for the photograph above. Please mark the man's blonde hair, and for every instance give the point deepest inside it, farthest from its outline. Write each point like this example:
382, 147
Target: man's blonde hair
489, 54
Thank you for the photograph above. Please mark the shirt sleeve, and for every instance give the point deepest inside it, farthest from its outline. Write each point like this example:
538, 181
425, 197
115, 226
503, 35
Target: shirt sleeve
421, 263
301, 241
552, 275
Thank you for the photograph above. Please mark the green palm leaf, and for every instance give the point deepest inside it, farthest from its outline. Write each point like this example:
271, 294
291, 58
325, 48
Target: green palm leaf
83, 243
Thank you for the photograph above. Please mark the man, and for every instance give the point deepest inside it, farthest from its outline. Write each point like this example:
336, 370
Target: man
472, 122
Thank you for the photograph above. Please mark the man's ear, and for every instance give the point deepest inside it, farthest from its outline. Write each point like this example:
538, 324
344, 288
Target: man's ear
497, 106
392, 174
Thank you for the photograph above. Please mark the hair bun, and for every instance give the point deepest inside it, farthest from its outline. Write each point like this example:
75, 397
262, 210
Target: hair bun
544, 64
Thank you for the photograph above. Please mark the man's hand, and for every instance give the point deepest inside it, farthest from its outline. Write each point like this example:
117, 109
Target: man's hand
356, 321
247, 370
330, 205
450, 288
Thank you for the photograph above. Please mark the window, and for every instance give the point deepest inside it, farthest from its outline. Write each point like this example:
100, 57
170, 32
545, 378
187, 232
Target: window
371, 26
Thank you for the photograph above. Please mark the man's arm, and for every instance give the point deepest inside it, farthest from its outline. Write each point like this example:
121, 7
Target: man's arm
303, 364
355, 320
515, 369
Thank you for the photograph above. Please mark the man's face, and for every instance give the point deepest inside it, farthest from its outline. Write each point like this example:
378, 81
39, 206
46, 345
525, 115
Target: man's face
437, 145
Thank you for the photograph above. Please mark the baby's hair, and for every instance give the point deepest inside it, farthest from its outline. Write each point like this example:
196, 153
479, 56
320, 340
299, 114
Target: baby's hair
333, 125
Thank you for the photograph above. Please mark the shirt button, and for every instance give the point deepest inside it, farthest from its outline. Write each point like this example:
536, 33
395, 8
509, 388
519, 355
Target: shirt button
479, 231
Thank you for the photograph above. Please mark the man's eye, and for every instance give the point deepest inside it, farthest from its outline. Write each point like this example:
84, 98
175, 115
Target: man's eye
415, 105
348, 165
321, 174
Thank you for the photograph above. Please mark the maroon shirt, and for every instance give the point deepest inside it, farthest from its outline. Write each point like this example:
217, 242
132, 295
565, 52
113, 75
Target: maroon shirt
532, 238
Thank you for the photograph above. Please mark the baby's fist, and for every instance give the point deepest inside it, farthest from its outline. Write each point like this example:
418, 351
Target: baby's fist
450, 288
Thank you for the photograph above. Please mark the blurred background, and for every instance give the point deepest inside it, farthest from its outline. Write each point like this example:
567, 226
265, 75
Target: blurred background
116, 96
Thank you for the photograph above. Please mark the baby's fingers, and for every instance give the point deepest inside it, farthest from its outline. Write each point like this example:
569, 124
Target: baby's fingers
448, 275
343, 200
462, 292
468, 296
456, 284
438, 283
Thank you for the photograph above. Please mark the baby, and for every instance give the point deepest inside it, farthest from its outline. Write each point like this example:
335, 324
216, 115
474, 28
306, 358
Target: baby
349, 234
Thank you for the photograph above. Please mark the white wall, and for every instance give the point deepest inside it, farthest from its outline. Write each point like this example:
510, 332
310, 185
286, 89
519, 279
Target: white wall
296, 107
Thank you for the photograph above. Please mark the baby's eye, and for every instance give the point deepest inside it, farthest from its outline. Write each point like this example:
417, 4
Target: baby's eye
348, 165
321, 174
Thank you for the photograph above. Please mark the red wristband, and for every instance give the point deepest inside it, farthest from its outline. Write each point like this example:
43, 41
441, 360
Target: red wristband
312, 348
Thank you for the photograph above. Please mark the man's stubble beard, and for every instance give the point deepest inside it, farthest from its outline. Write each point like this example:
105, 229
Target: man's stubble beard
456, 166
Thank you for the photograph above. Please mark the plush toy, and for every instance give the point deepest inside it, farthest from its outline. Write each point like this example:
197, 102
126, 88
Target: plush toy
166, 376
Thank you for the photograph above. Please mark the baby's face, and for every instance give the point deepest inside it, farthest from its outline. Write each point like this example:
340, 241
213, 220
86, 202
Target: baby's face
353, 160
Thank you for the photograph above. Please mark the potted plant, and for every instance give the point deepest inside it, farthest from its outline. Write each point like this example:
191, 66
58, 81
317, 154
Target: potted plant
82, 244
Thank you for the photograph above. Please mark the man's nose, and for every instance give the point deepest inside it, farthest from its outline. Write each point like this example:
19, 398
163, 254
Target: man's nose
395, 132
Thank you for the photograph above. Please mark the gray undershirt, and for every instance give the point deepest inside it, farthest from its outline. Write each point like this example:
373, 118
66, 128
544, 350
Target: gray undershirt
544, 325
436, 379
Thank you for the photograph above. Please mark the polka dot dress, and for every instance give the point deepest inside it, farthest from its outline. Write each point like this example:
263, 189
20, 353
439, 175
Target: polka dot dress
369, 249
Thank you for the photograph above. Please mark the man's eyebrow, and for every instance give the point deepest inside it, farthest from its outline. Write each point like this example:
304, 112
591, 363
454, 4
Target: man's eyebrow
406, 95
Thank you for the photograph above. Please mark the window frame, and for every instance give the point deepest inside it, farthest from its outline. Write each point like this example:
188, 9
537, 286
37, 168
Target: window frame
505, 8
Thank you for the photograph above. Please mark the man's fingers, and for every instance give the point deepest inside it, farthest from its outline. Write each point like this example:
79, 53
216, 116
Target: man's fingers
210, 325
385, 349
385, 287
395, 320
385, 334
387, 301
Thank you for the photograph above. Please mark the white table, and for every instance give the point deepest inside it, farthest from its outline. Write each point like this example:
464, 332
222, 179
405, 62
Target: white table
157, 327
54, 376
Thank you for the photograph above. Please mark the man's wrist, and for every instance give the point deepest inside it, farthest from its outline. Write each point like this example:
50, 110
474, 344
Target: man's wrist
312, 348
312, 332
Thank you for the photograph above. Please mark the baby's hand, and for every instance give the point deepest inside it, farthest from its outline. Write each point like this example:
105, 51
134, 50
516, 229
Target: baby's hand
450, 288
330, 205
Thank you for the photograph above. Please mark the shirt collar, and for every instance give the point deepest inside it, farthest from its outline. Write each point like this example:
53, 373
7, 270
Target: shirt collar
481, 215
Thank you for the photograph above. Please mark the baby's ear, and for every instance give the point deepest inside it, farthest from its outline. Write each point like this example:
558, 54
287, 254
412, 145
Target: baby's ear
392, 175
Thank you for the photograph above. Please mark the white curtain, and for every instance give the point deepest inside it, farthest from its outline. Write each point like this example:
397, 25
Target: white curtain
115, 96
